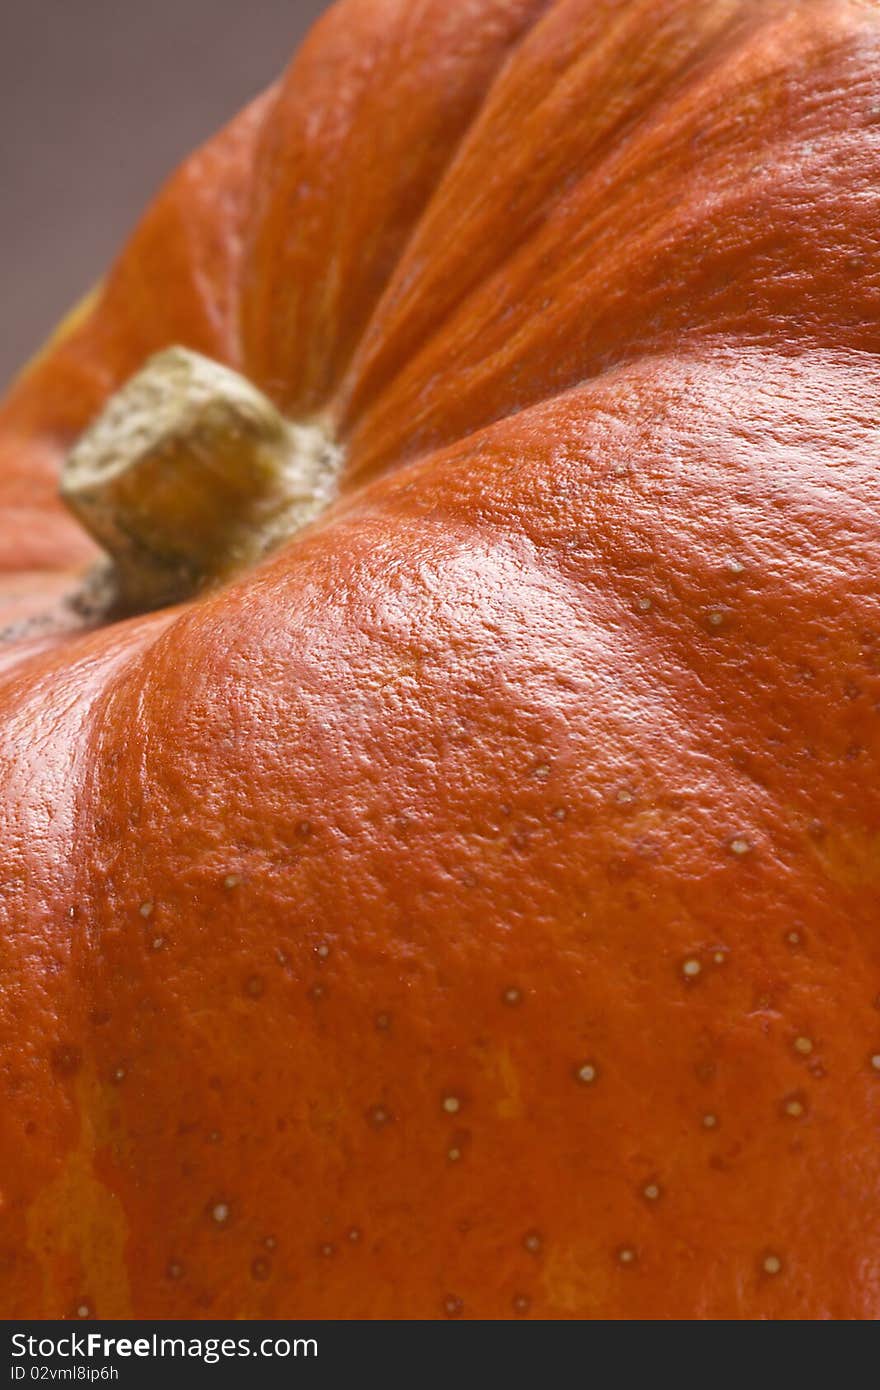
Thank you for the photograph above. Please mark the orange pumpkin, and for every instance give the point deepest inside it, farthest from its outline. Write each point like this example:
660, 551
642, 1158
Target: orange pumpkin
471, 908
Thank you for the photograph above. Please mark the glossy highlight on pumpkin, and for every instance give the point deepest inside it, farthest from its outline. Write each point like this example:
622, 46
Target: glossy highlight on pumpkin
471, 911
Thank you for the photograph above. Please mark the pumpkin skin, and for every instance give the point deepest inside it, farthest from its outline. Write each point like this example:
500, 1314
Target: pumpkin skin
472, 911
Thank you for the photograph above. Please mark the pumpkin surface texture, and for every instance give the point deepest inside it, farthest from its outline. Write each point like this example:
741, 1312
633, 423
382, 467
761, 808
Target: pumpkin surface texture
472, 908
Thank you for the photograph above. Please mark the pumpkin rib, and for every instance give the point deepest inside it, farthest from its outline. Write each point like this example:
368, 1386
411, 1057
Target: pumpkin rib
152, 665
452, 284
720, 382
310, 281
539, 342
42, 815
312, 694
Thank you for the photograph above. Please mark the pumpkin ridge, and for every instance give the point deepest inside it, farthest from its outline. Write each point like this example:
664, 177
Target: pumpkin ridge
544, 10
507, 332
306, 393
358, 391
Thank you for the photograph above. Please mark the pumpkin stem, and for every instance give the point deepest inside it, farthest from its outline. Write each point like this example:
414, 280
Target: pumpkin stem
189, 475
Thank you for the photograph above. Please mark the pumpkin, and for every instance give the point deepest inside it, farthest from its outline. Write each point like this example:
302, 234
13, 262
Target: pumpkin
453, 890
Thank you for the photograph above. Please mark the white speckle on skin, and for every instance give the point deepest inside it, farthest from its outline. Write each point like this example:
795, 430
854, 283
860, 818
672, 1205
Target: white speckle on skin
734, 565
270, 1242
453, 1155
175, 1270
146, 909
710, 1121
119, 1074
512, 995
157, 943
220, 1213
651, 1190
740, 845
83, 1311
587, 1073
719, 957
794, 1107
793, 938
354, 1235
875, 1061
231, 881
626, 1255
772, 1264
624, 796
322, 951
803, 1045
716, 617
691, 968
327, 1250
532, 1242
644, 605
451, 1104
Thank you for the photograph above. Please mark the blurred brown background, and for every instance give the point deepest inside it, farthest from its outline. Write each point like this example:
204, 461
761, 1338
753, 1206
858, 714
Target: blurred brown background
99, 100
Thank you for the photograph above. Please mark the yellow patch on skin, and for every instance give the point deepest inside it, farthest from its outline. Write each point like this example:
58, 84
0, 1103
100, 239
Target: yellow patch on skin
95, 1243
572, 1286
510, 1107
849, 858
